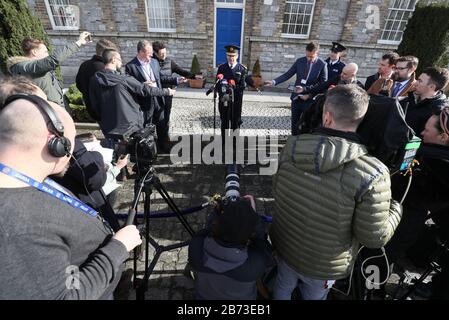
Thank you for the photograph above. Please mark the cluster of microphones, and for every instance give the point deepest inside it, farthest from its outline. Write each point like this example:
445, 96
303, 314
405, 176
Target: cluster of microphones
221, 85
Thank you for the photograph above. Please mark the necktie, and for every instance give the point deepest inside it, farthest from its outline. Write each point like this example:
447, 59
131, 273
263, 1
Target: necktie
396, 89
308, 68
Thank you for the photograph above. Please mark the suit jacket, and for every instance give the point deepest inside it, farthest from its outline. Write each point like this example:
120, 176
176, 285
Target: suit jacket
134, 69
370, 80
323, 87
317, 75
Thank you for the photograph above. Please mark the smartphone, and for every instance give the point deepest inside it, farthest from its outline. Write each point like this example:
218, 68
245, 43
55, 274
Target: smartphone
291, 87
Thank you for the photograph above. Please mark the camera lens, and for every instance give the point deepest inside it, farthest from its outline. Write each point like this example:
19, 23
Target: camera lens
232, 185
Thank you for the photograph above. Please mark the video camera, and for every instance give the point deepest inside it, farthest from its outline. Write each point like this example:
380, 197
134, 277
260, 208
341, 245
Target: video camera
140, 144
383, 130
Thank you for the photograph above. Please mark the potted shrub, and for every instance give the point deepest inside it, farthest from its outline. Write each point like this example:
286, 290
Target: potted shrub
256, 76
195, 69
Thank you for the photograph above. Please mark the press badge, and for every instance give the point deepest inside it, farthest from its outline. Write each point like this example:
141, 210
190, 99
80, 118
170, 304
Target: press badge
303, 81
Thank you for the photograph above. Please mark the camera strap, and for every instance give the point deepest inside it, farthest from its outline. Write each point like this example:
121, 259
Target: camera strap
46, 188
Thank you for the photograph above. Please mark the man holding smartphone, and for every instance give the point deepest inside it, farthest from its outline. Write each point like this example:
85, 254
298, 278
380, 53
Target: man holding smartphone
310, 71
40, 66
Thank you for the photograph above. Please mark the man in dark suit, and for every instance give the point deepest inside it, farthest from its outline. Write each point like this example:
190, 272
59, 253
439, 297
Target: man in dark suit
168, 67
310, 71
334, 64
147, 70
87, 70
232, 71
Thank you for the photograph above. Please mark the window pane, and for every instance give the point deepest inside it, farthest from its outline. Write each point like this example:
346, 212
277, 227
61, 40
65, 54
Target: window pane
399, 12
161, 14
297, 17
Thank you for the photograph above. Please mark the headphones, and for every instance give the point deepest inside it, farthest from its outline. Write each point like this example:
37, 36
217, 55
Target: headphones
58, 146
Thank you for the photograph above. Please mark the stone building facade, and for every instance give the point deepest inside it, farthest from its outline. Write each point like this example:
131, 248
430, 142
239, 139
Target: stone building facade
193, 27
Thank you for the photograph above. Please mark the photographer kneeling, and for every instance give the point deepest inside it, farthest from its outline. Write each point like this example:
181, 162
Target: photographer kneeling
230, 256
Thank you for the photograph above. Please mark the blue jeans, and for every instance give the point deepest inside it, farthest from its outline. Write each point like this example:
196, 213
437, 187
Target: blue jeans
287, 280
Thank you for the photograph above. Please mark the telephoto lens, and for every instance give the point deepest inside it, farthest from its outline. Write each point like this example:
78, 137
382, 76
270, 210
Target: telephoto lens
232, 185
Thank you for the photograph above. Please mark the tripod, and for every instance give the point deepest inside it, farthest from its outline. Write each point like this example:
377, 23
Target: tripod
144, 183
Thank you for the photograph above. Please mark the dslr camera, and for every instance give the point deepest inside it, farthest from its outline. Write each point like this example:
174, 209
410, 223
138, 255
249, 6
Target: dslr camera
140, 144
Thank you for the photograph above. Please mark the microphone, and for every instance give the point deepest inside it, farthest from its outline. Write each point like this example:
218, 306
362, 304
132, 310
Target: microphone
219, 78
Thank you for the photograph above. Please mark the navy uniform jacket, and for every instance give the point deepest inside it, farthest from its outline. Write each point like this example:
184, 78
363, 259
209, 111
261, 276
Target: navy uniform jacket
335, 69
317, 75
239, 74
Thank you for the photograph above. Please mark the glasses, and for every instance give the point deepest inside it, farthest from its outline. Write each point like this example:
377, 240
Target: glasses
444, 115
403, 68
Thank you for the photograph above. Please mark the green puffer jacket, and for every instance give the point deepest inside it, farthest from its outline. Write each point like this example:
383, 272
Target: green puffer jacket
42, 71
330, 195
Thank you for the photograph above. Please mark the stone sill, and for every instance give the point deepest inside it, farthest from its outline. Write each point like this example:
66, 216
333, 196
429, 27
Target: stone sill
65, 33
306, 41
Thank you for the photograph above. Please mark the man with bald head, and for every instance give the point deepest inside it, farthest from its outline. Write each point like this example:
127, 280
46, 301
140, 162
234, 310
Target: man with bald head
51, 245
347, 76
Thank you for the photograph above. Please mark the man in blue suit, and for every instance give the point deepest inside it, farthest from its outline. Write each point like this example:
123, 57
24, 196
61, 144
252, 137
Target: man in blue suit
310, 71
147, 70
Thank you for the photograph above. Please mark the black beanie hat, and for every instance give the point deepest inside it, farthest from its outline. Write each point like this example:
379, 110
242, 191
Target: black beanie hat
236, 223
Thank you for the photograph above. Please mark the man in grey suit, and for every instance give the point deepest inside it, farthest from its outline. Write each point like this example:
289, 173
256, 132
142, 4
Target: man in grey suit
310, 71
147, 70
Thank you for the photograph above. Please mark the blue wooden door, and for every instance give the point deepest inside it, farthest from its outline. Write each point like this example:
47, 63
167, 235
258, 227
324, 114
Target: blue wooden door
229, 31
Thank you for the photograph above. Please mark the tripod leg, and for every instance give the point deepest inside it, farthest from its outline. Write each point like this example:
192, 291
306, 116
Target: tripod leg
163, 192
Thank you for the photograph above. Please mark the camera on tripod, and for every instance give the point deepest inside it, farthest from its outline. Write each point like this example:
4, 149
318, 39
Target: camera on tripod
140, 144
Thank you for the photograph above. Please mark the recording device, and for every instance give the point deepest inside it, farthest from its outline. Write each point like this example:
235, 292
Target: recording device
140, 144
89, 38
383, 130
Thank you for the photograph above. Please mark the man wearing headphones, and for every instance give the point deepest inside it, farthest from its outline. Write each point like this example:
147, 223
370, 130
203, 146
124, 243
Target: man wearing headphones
51, 245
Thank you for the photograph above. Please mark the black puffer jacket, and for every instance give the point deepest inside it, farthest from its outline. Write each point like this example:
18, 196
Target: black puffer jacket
418, 112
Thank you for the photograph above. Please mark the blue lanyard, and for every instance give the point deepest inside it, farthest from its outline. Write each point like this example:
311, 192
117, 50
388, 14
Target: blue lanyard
49, 190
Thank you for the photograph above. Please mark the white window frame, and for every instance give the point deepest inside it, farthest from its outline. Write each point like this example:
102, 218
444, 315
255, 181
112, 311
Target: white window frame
299, 36
167, 30
52, 19
394, 42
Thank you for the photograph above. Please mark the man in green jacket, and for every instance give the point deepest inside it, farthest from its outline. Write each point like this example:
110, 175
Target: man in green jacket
38, 65
330, 197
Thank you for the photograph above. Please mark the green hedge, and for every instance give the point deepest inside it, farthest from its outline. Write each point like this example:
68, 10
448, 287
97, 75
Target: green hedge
77, 107
427, 36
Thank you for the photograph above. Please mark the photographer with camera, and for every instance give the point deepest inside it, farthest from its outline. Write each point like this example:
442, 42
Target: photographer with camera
233, 252
330, 195
39, 65
112, 96
229, 258
51, 244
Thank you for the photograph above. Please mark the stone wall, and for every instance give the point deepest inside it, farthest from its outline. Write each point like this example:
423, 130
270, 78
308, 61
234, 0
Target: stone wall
125, 23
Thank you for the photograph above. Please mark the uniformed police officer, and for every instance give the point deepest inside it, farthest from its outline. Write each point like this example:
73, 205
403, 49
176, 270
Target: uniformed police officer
232, 70
334, 64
